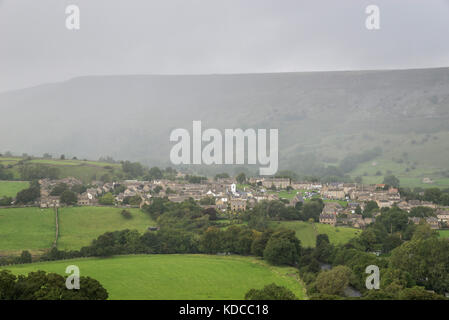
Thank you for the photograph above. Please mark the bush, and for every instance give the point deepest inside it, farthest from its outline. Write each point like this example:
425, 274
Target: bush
270, 292
126, 214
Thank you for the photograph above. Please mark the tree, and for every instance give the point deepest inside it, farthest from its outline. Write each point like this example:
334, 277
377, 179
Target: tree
79, 188
368, 239
7, 285
334, 281
312, 210
40, 285
4, 175
155, 173
132, 169
419, 293
270, 292
260, 241
69, 198
393, 220
134, 200
282, 248
205, 201
126, 214
5, 201
322, 239
241, 178
323, 249
423, 231
157, 189
258, 217
25, 257
427, 261
37, 171
211, 212
221, 176
391, 181
59, 189
107, 199
432, 195
422, 212
371, 206
212, 241
29, 195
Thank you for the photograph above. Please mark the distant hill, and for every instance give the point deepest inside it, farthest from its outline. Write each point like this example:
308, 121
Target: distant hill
322, 117
84, 170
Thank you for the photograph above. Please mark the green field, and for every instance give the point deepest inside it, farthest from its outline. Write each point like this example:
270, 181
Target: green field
411, 178
10, 188
78, 226
337, 235
164, 277
9, 160
286, 194
83, 170
34, 229
444, 233
26, 229
307, 232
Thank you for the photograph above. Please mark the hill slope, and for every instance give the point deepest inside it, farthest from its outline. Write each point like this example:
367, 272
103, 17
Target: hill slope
322, 117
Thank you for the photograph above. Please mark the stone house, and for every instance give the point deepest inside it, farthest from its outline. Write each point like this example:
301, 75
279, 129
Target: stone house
328, 219
238, 204
333, 193
50, 202
279, 183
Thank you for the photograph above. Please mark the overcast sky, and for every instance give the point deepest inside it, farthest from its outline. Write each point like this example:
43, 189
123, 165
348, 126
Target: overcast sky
215, 36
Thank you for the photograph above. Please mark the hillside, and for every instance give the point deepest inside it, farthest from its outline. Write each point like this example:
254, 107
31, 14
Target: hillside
322, 117
81, 169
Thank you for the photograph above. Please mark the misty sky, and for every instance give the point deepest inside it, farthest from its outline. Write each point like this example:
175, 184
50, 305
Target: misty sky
215, 36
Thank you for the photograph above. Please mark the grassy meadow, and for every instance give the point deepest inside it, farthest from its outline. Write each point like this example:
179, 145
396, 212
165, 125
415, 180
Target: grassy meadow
10, 188
82, 169
78, 226
444, 233
409, 175
307, 232
33, 229
164, 277
30, 229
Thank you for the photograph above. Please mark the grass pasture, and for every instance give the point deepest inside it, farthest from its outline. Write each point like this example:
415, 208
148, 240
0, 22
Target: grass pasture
78, 226
337, 235
165, 277
30, 229
34, 229
444, 233
83, 170
10, 188
412, 178
307, 232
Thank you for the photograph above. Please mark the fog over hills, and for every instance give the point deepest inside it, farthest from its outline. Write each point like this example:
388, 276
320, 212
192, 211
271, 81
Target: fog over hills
322, 117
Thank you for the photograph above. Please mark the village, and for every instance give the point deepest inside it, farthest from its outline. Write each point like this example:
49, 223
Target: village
343, 202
